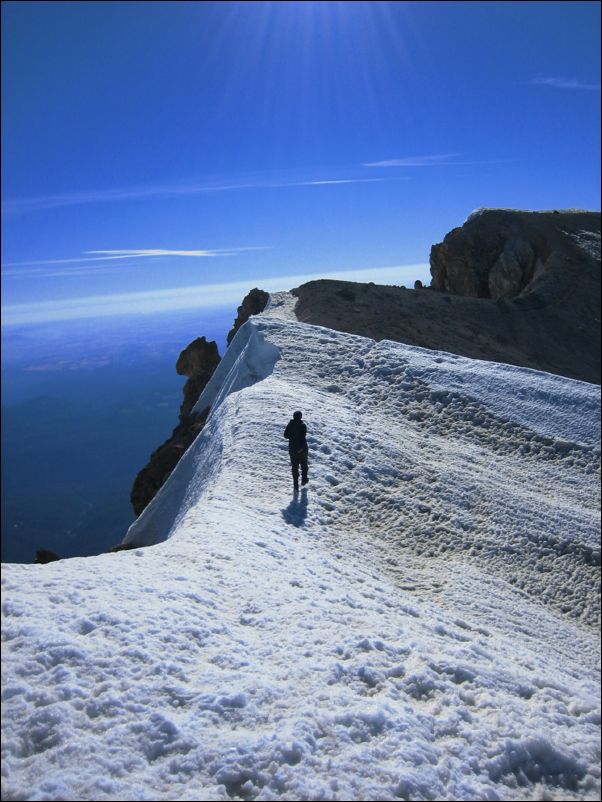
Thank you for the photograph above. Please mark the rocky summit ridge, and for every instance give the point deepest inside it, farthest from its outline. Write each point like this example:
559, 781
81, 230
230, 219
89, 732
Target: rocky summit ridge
522, 288
509, 286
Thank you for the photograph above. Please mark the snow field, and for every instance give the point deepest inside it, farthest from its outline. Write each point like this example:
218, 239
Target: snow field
395, 631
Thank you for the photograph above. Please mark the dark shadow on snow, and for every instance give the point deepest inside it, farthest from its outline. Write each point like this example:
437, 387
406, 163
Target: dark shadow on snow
296, 512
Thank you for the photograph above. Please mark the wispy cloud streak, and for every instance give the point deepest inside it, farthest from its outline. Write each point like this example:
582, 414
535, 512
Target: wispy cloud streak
565, 83
131, 254
64, 261
434, 160
68, 272
342, 181
24, 205
145, 252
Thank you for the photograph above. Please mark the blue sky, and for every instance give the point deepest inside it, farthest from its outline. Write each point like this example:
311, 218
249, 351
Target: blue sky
167, 155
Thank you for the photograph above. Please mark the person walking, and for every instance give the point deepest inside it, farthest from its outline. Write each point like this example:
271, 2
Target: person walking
295, 433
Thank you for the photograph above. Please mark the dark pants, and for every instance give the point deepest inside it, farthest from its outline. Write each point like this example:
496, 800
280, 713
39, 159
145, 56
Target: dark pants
299, 458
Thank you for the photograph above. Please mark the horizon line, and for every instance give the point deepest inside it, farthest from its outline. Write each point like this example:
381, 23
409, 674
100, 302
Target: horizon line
186, 297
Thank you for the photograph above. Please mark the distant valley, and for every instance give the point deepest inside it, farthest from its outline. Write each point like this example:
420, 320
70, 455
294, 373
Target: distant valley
82, 408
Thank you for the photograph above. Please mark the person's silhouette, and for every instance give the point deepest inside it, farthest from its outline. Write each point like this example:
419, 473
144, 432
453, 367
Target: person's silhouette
295, 433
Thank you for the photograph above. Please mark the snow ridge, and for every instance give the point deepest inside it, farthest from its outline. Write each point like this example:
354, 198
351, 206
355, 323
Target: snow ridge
248, 359
418, 623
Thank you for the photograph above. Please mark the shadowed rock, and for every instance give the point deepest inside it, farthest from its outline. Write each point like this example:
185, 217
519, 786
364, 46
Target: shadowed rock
197, 361
162, 461
253, 303
44, 556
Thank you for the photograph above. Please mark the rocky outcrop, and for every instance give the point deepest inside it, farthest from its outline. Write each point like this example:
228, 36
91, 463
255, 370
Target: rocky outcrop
500, 254
44, 556
253, 303
197, 361
508, 286
162, 461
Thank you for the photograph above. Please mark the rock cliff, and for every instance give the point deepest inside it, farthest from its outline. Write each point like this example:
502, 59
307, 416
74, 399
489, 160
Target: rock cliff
502, 254
253, 303
508, 286
197, 361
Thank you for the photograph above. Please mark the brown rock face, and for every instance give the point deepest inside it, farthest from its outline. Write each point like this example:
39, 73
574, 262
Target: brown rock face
197, 361
253, 303
162, 461
500, 254
515, 287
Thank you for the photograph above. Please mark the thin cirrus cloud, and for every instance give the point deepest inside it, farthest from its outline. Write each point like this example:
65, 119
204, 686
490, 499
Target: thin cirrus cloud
24, 205
143, 252
340, 181
564, 83
433, 160
22, 269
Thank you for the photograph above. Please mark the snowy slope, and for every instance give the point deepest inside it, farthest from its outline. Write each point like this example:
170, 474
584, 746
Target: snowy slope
418, 624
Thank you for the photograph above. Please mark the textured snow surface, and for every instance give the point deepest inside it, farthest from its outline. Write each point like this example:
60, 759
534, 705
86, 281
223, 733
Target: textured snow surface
419, 623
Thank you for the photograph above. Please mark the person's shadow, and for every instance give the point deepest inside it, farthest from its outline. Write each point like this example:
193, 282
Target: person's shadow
296, 512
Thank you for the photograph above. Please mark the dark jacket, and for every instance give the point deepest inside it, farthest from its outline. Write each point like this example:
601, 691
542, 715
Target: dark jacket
295, 433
